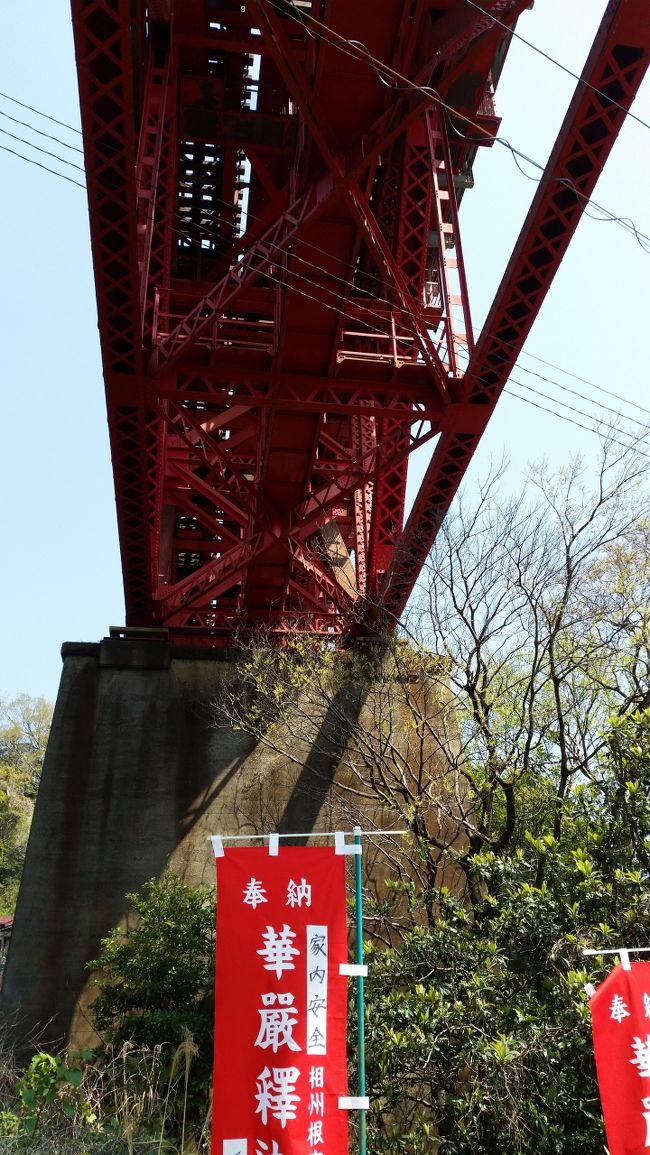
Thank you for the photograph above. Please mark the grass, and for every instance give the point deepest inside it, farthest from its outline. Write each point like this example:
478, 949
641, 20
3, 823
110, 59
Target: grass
131, 1101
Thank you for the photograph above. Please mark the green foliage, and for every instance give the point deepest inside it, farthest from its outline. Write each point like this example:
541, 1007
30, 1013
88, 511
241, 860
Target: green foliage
47, 1097
113, 1103
24, 729
49, 1087
155, 979
478, 1028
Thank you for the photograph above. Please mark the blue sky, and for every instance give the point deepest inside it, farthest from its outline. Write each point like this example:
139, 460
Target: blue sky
61, 580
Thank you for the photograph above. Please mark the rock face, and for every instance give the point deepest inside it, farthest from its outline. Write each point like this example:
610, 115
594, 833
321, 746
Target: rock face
136, 778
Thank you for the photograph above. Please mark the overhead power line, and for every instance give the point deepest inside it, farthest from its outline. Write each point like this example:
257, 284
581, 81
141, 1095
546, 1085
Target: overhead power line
552, 60
583, 380
47, 135
307, 280
383, 70
360, 51
39, 112
30, 160
45, 151
359, 321
570, 421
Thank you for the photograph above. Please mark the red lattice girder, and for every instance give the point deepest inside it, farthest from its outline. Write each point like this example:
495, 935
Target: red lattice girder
211, 579
614, 70
281, 290
149, 178
458, 30
104, 44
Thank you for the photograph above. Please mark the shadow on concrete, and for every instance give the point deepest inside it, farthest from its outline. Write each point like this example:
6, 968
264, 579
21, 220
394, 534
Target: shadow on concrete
132, 765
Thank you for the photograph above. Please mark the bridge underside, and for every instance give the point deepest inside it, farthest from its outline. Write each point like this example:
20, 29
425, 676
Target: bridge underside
273, 191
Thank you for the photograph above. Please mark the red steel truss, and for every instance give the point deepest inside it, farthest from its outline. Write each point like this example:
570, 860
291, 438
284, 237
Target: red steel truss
273, 190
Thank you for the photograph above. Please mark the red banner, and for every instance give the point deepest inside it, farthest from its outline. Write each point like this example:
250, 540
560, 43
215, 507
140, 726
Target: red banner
620, 1015
280, 1003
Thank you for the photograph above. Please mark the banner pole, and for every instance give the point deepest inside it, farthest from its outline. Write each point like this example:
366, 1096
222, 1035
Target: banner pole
360, 992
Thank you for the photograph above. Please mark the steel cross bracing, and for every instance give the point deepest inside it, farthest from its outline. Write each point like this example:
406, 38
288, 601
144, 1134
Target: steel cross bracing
284, 318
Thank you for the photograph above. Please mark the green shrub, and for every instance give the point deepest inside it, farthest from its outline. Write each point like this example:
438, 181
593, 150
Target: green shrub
155, 982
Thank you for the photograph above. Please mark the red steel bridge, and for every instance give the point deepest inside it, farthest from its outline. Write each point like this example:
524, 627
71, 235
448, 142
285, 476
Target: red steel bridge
283, 308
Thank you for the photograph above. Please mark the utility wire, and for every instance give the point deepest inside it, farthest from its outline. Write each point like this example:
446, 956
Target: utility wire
517, 36
632, 439
576, 377
373, 332
45, 115
44, 151
578, 424
336, 308
573, 409
70, 180
509, 344
508, 390
397, 308
584, 397
361, 52
606, 215
343, 44
637, 428
607, 425
47, 135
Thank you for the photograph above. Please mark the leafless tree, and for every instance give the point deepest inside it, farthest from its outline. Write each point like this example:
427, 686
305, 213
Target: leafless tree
469, 724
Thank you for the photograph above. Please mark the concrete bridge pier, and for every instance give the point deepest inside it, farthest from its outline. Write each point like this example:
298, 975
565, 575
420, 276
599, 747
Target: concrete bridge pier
135, 779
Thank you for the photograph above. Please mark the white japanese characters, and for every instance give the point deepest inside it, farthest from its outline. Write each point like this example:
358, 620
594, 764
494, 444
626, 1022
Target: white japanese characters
641, 1058
278, 950
277, 1022
298, 893
263, 1148
618, 1009
276, 1094
641, 1061
254, 894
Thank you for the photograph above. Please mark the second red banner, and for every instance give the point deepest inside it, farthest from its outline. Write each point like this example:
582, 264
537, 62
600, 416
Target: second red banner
280, 1003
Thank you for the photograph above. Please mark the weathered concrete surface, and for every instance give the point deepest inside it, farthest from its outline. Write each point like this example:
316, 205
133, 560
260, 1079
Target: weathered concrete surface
135, 779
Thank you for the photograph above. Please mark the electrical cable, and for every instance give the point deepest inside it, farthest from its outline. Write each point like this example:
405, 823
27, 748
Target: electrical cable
507, 390
517, 36
510, 344
350, 285
597, 425
334, 308
576, 377
610, 426
373, 332
70, 180
45, 151
606, 214
570, 421
30, 108
337, 41
584, 397
337, 308
47, 135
